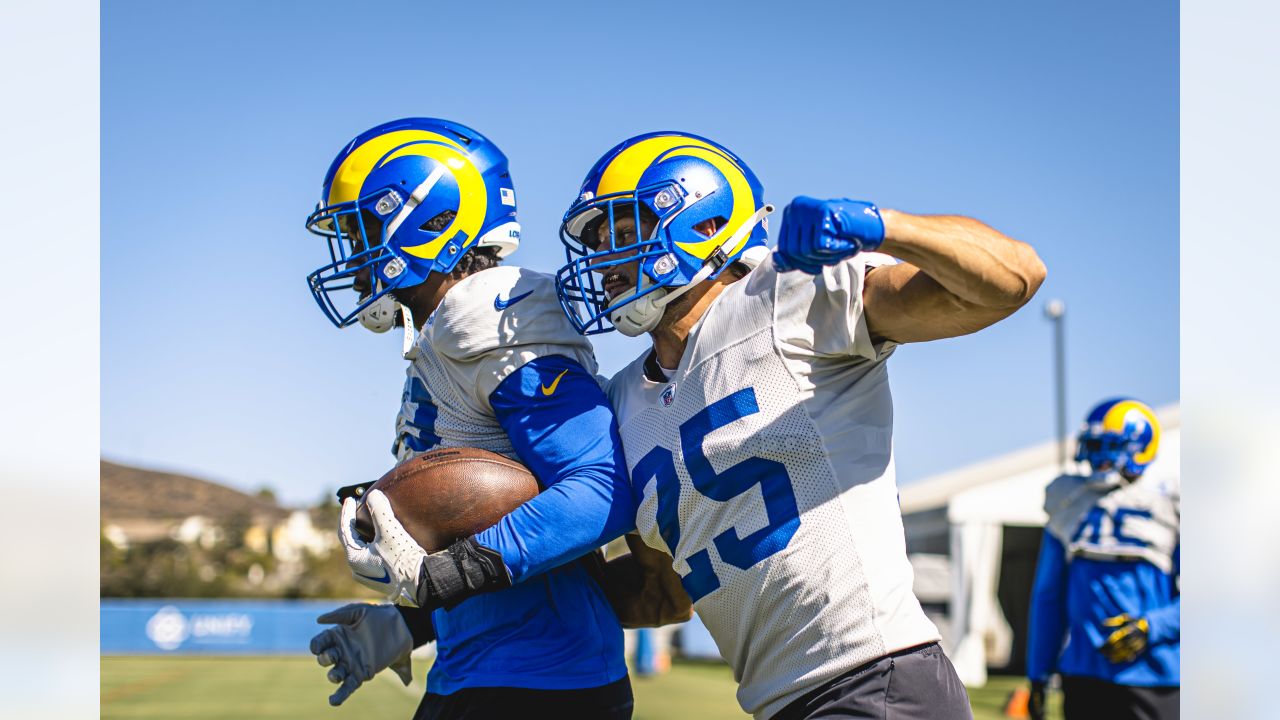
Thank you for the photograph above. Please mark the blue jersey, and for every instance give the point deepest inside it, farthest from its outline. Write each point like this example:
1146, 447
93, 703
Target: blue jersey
498, 367
1110, 548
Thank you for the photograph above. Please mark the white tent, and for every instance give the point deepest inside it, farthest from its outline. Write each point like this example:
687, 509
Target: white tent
967, 515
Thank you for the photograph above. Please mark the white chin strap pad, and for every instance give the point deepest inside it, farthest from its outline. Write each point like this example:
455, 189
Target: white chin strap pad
639, 317
380, 316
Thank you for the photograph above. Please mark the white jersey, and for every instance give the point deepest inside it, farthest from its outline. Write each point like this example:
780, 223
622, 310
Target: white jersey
766, 469
1102, 517
487, 327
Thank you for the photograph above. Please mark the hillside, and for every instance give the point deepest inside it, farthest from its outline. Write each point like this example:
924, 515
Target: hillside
129, 493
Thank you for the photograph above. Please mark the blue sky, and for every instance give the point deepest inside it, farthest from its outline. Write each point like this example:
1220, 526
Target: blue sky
1056, 124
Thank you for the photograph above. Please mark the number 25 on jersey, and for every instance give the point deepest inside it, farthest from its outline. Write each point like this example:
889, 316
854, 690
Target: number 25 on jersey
770, 475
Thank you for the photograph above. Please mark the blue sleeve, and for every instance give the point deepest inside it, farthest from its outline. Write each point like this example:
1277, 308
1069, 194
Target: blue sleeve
1048, 625
1166, 622
563, 429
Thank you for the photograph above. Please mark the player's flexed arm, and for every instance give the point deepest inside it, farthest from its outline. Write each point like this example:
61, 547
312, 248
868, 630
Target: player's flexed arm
958, 275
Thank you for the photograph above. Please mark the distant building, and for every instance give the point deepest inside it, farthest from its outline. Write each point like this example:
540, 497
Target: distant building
297, 535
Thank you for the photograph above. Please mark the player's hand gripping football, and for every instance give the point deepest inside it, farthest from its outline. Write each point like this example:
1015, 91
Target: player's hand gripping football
365, 640
394, 563
1128, 640
391, 563
823, 232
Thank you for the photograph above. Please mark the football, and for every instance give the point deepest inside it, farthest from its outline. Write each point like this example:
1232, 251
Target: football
449, 494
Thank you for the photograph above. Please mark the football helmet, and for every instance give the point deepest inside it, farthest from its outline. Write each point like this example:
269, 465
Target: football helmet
1122, 432
401, 201
676, 182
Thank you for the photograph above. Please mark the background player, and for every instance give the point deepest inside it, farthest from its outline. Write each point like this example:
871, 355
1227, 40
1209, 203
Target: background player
417, 213
758, 428
1105, 611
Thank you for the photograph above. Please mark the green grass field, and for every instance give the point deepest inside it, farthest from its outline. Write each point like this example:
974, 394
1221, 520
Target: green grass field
265, 688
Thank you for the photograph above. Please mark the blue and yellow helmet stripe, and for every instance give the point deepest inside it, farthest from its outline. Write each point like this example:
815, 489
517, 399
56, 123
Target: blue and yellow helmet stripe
624, 171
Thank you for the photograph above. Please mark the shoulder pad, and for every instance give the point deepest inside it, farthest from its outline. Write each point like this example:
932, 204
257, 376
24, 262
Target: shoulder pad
500, 308
1059, 492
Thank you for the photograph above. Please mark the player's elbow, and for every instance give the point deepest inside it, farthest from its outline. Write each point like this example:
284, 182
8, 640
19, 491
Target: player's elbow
1026, 273
1034, 273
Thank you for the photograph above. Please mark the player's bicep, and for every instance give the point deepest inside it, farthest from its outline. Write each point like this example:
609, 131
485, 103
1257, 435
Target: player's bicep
903, 304
558, 419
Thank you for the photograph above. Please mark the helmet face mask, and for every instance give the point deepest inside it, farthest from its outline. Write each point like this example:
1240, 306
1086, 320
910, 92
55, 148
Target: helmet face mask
356, 263
703, 205
403, 200
601, 250
1121, 434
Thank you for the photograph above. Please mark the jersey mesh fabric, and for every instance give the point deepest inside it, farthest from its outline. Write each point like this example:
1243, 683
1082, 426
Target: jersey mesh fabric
469, 346
1103, 521
817, 607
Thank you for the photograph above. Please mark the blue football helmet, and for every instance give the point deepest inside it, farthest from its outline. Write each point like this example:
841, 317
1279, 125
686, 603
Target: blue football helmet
404, 200
676, 182
1121, 433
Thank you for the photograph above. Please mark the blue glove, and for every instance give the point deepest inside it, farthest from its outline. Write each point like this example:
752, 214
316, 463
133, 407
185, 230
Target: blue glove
824, 232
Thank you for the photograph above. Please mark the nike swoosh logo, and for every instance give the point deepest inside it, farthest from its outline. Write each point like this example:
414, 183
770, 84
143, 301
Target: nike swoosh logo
386, 576
499, 304
554, 383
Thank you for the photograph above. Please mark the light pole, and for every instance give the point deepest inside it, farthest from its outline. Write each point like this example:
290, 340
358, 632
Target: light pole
1055, 310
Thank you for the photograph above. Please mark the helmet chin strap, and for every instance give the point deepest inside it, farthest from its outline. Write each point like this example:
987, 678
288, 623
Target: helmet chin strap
410, 348
380, 317
642, 315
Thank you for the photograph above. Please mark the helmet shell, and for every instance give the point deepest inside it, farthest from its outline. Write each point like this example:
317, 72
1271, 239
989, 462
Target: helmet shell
1122, 432
684, 180
405, 199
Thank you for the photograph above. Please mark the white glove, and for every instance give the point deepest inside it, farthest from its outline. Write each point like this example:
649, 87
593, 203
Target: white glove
392, 563
367, 638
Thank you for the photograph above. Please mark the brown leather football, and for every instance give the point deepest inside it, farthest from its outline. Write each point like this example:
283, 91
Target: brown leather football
449, 494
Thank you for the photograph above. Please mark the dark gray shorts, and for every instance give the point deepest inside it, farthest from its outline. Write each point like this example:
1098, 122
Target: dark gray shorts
1091, 698
913, 684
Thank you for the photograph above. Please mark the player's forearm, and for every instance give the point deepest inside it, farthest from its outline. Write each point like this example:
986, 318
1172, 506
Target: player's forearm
974, 262
564, 522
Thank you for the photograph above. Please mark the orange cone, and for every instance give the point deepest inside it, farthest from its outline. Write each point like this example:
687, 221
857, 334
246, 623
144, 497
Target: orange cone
1016, 705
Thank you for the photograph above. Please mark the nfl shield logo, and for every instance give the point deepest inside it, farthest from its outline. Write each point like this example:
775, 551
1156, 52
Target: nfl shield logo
668, 395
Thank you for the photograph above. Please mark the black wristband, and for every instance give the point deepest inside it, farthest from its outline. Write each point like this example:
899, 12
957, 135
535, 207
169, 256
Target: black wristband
464, 570
419, 623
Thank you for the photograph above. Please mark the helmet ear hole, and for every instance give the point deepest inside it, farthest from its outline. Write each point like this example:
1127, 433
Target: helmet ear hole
439, 222
711, 226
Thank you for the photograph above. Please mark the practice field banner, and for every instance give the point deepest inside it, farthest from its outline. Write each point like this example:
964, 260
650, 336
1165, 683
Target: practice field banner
209, 627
